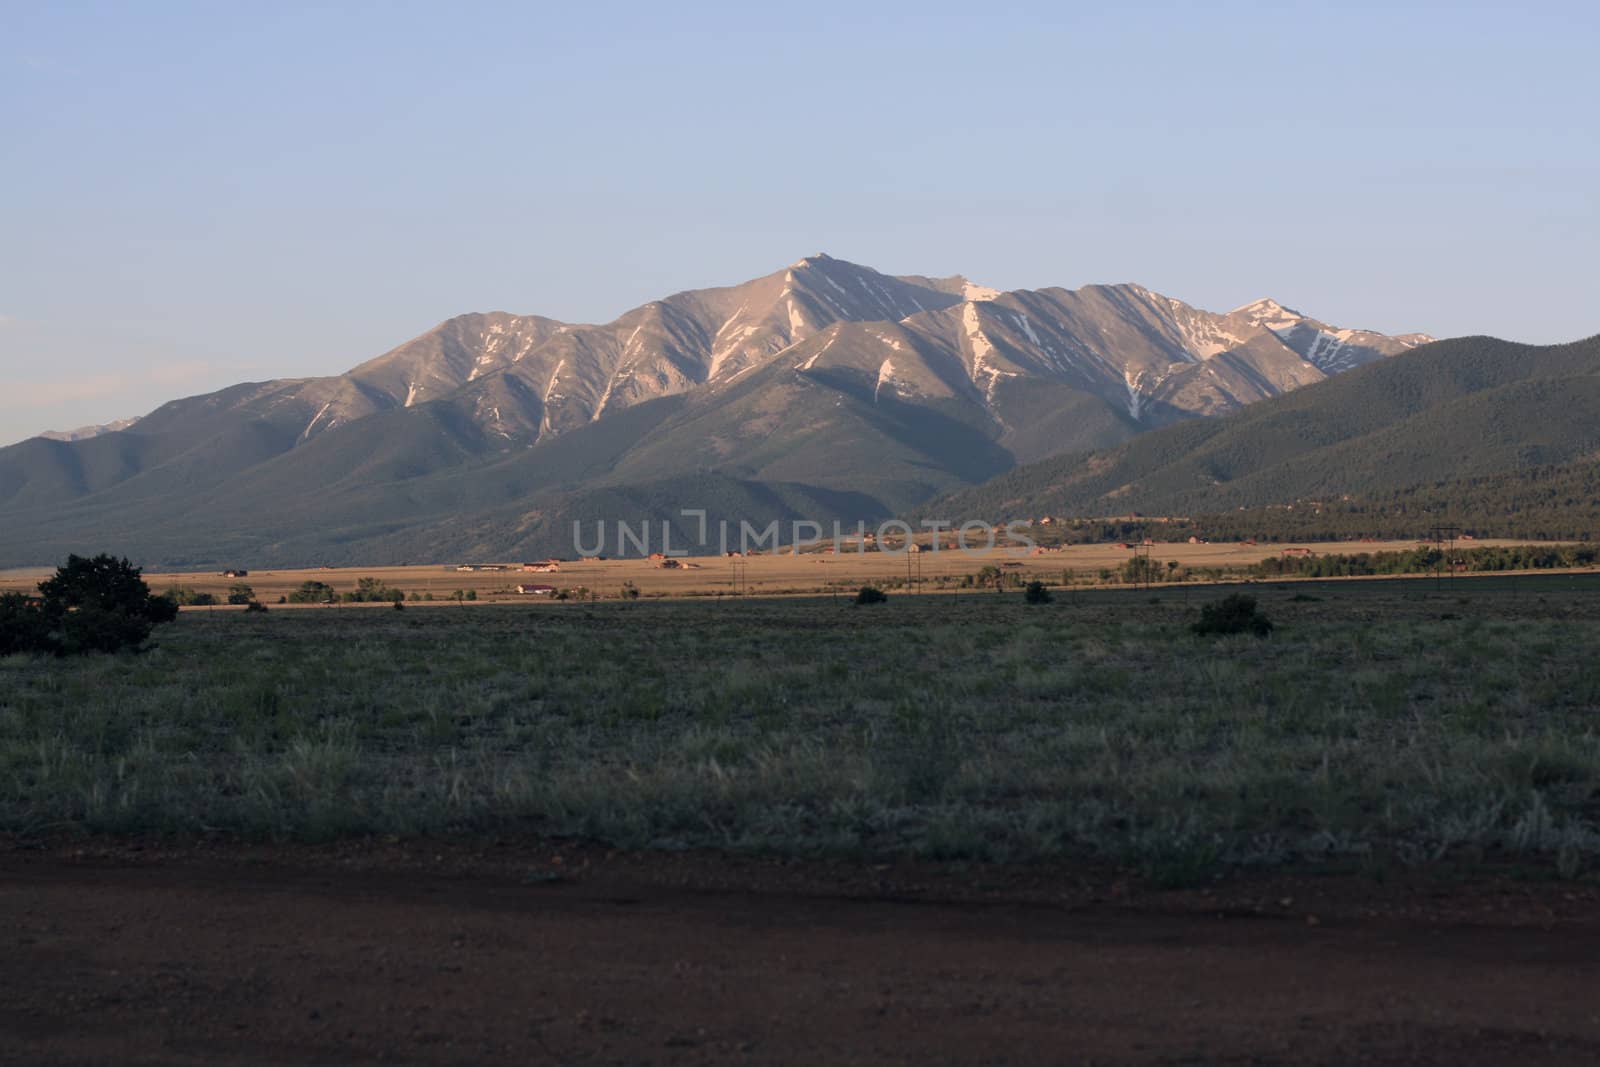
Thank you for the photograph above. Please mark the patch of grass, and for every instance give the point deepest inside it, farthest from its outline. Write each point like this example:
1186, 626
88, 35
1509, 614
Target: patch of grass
973, 729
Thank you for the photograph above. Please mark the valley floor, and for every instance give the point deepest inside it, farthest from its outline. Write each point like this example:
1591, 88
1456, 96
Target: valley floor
947, 828
809, 573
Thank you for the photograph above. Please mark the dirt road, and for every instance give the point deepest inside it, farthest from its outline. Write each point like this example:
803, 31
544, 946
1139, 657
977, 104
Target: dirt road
533, 953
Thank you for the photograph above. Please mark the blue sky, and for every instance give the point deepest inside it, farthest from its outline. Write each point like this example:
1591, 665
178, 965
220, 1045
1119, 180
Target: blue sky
200, 194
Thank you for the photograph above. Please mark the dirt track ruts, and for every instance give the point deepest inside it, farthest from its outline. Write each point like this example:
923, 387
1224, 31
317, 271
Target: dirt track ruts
262, 956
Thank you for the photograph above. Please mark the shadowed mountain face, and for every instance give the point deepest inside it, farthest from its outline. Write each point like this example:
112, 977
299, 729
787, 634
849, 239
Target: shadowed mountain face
825, 381
1451, 413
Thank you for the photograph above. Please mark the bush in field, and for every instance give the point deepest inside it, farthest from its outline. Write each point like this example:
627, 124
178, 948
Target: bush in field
255, 605
96, 629
311, 593
869, 595
373, 591
98, 604
239, 593
24, 627
1036, 593
188, 597
1235, 614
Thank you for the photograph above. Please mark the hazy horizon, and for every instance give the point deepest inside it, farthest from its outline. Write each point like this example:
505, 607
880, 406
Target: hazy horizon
204, 196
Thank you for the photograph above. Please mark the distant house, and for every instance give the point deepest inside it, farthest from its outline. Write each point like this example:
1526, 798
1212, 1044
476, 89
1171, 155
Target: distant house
1197, 540
1299, 552
544, 567
593, 559
236, 572
537, 590
466, 567
658, 556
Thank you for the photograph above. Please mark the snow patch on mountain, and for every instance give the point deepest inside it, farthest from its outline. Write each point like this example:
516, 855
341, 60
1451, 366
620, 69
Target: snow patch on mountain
1027, 328
885, 374
1135, 398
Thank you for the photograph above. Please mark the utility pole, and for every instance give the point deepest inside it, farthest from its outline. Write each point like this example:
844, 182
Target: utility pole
1444, 539
1141, 564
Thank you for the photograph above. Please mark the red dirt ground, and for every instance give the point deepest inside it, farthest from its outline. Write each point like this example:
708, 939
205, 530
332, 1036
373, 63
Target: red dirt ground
532, 952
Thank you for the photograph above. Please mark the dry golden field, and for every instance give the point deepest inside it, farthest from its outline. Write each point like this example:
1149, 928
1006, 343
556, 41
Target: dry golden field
767, 574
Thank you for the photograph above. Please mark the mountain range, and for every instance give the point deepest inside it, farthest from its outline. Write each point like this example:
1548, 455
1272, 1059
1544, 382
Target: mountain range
826, 390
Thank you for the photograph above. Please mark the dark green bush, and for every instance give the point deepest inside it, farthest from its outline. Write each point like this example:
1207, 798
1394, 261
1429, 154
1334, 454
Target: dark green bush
1036, 593
311, 593
24, 626
256, 605
98, 604
1235, 614
97, 629
869, 595
373, 591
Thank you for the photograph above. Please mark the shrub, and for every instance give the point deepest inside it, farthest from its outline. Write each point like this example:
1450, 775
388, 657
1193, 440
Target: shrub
97, 629
869, 595
98, 604
1235, 614
24, 627
373, 591
239, 593
1036, 593
256, 605
311, 593
188, 597
399, 605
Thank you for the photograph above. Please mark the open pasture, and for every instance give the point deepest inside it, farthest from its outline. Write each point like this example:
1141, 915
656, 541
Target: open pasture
779, 574
1383, 722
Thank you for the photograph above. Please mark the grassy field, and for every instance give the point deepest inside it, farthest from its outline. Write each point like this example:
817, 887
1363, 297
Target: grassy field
768, 575
1382, 722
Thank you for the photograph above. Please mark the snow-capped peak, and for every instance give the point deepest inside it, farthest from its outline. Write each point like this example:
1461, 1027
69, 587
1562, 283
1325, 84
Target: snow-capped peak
1267, 308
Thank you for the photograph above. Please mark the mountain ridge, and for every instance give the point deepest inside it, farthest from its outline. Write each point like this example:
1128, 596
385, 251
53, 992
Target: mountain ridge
825, 375
1466, 408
